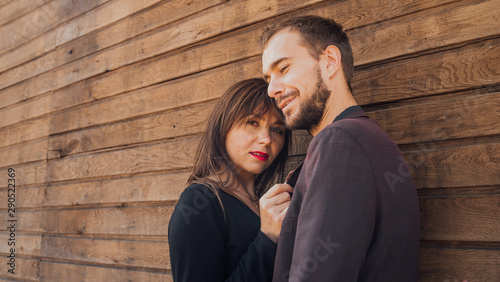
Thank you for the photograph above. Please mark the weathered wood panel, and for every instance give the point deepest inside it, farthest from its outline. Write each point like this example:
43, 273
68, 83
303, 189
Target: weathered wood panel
24, 153
449, 264
42, 19
53, 271
151, 128
134, 189
460, 218
465, 166
151, 221
114, 32
125, 253
25, 245
173, 155
26, 270
32, 173
15, 9
459, 69
450, 117
24, 131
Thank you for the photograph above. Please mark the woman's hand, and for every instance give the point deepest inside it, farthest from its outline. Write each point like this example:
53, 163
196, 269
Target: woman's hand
273, 207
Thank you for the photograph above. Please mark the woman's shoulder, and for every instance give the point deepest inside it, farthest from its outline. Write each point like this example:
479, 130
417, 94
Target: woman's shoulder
200, 192
199, 198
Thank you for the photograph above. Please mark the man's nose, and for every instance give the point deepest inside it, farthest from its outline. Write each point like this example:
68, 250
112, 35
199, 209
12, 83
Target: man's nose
275, 88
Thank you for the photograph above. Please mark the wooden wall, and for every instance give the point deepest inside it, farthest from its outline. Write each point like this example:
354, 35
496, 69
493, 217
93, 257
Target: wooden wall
102, 103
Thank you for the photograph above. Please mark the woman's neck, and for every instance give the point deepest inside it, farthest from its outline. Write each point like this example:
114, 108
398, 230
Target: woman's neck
245, 191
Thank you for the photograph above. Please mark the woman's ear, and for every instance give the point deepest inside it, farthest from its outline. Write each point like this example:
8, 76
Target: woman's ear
333, 60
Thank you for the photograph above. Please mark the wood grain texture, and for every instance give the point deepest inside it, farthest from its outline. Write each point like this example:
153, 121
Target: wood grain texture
168, 156
150, 188
119, 23
24, 131
174, 124
458, 69
194, 89
15, 9
204, 25
26, 270
449, 117
42, 19
24, 153
109, 253
27, 174
101, 64
460, 218
151, 221
447, 264
26, 245
426, 30
53, 271
467, 166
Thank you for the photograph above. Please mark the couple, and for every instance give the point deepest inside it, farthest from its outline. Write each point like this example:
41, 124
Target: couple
349, 212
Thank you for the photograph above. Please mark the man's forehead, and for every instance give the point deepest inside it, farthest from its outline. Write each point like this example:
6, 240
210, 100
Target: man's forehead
281, 40
280, 46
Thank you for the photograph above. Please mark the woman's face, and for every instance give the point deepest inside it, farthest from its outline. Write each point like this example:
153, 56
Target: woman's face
254, 144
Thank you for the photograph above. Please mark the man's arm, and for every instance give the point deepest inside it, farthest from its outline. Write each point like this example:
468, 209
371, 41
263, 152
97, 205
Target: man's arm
337, 218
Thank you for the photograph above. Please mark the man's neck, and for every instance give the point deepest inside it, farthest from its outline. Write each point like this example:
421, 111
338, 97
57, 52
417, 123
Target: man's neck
335, 106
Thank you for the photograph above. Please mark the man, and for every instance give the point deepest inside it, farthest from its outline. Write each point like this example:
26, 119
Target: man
353, 215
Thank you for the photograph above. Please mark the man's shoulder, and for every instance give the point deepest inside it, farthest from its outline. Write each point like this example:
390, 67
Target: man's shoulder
347, 128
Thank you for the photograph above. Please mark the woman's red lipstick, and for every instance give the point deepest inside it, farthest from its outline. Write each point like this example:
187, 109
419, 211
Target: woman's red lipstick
261, 156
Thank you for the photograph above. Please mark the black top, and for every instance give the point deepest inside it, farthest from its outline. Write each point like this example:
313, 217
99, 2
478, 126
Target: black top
208, 243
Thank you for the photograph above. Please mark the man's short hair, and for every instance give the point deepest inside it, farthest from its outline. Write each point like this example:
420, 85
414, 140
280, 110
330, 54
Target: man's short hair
318, 33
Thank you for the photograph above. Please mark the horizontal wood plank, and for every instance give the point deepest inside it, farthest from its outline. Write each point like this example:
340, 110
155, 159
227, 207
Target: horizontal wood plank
42, 19
459, 69
26, 174
26, 197
53, 271
86, 23
24, 153
24, 131
165, 187
151, 128
447, 264
73, 73
108, 252
150, 221
15, 9
173, 155
25, 245
442, 118
206, 24
67, 49
460, 218
197, 88
26, 270
100, 17
467, 166
426, 30
27, 221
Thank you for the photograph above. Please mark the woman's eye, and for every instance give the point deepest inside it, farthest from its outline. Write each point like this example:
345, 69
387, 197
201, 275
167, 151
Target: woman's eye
283, 68
253, 122
277, 130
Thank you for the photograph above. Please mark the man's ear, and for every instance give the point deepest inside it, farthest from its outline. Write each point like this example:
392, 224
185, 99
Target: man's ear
333, 60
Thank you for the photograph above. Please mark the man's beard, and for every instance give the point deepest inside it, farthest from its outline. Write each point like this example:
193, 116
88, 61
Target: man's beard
312, 108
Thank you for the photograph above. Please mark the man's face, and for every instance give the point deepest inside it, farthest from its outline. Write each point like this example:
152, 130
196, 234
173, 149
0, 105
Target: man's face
295, 80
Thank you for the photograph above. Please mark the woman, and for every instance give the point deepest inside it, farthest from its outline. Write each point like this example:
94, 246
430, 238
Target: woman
215, 233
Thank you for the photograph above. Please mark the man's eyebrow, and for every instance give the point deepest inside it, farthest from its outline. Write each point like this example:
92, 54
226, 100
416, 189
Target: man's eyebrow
274, 64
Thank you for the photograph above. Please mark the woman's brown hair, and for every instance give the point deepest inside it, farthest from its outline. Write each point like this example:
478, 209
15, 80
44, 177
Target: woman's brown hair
243, 99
